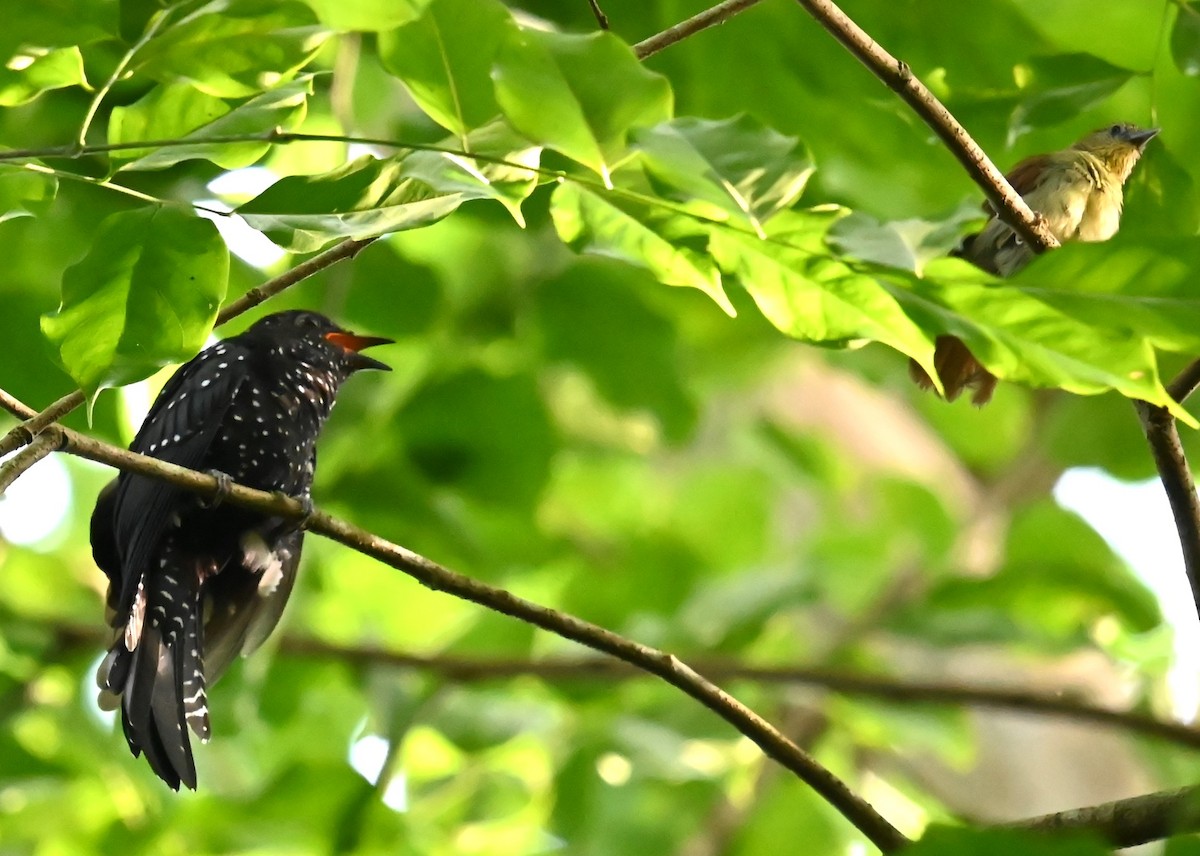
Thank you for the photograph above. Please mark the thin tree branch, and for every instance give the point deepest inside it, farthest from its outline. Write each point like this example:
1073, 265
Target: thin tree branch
601, 18
432, 575
1162, 434
1186, 382
899, 77
709, 17
23, 434
23, 460
340, 251
1127, 822
470, 669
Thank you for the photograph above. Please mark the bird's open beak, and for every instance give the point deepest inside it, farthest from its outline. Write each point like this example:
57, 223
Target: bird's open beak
1140, 137
354, 343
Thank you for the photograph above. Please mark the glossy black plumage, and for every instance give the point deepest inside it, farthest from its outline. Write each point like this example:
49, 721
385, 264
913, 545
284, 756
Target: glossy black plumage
192, 585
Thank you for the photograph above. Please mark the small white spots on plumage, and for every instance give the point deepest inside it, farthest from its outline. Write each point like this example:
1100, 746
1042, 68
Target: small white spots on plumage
175, 439
222, 365
205, 382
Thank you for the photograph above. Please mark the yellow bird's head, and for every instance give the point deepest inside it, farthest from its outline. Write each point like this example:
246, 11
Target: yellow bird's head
1118, 146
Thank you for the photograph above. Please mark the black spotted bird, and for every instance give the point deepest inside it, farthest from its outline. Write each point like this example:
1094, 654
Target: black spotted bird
193, 584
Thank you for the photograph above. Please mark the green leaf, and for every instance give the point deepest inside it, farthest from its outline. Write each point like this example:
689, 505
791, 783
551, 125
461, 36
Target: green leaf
36, 70
1185, 39
1056, 88
578, 95
145, 295
809, 294
1085, 318
178, 111
365, 198
905, 244
577, 313
445, 59
24, 191
507, 182
489, 437
590, 222
734, 167
958, 841
228, 48
366, 15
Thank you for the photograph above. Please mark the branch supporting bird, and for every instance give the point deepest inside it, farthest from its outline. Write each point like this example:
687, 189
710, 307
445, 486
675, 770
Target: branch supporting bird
192, 584
1079, 193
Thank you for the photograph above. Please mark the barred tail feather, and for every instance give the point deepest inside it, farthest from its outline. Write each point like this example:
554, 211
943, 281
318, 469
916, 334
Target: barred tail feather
190, 664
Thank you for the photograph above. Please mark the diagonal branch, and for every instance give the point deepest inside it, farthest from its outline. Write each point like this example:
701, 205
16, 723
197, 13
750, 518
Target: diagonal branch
1162, 434
1127, 822
432, 575
718, 14
42, 446
899, 77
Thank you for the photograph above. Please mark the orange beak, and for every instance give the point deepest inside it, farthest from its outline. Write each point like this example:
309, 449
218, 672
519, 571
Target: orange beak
354, 343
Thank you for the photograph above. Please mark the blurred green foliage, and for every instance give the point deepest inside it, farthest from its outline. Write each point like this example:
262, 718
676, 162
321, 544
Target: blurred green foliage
735, 467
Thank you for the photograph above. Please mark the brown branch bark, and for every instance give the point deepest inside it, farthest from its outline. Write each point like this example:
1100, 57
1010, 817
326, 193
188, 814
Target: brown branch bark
432, 575
601, 18
899, 77
718, 14
41, 446
1128, 822
471, 669
1162, 434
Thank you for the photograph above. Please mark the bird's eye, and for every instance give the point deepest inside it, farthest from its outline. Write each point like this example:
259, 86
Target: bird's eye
1116, 130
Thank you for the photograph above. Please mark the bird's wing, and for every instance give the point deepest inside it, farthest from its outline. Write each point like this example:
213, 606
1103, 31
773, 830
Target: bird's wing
1024, 178
179, 429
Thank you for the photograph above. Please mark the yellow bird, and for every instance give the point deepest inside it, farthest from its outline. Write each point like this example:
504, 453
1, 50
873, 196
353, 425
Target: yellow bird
1078, 193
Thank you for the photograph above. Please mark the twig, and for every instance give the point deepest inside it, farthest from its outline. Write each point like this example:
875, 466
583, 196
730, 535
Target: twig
1127, 822
709, 17
1186, 382
340, 251
469, 669
601, 18
432, 575
24, 433
1176, 476
23, 460
899, 77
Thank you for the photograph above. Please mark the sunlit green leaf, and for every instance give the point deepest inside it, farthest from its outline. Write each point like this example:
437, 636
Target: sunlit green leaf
736, 166
179, 112
365, 198
500, 177
578, 95
366, 15
34, 71
145, 295
1049, 337
445, 59
592, 223
24, 191
811, 295
229, 48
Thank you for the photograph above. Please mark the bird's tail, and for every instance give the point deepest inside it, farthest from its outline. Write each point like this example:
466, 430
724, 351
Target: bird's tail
155, 673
